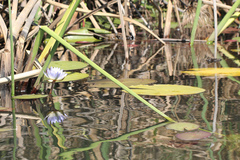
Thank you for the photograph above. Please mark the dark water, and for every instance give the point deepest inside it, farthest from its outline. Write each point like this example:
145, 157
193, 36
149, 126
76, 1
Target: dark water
105, 123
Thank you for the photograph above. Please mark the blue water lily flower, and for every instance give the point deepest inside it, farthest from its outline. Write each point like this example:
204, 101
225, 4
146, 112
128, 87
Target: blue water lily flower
55, 117
55, 73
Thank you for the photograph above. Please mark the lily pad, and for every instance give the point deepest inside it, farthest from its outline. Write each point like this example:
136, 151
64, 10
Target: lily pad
106, 83
165, 90
30, 96
71, 76
213, 71
193, 136
68, 65
182, 126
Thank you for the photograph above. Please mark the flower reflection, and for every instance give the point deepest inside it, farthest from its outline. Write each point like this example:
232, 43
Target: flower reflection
55, 73
55, 117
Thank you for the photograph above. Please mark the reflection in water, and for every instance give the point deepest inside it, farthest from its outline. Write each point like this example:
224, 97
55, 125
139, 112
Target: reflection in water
55, 116
109, 124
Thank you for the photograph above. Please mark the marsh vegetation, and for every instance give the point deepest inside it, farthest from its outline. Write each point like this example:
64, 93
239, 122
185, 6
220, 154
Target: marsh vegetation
105, 79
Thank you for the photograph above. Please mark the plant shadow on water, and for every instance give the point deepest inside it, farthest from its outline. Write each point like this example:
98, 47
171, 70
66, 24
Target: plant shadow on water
82, 122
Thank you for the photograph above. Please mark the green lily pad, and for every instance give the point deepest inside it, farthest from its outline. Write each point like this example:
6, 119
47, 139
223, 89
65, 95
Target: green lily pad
214, 71
30, 96
193, 136
71, 76
68, 65
165, 90
182, 126
106, 83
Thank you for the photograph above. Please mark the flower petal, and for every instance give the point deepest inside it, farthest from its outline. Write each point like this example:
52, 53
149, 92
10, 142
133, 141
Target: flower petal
55, 73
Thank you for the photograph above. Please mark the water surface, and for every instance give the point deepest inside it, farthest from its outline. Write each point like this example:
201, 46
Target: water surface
106, 123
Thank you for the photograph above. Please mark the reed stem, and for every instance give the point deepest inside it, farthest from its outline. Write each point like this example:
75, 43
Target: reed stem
195, 23
11, 47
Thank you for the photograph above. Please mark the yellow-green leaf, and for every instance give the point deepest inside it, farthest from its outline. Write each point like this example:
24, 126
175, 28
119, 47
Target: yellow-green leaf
71, 76
165, 90
78, 31
106, 83
30, 96
213, 71
74, 39
99, 31
68, 65
182, 126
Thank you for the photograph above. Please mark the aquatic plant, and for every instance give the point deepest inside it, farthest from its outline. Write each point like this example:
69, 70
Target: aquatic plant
55, 73
57, 116
193, 136
86, 59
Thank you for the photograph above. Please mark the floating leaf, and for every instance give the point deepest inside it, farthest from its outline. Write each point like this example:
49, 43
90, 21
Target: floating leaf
106, 83
182, 126
213, 71
68, 65
165, 90
30, 96
78, 31
193, 136
99, 31
78, 38
71, 76
81, 36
